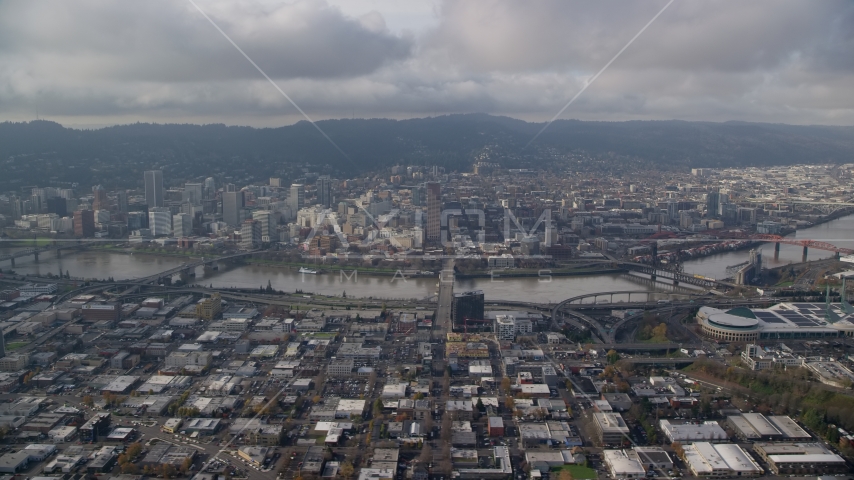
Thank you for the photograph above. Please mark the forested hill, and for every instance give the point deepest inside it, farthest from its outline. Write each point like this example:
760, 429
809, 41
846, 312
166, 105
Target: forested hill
45, 153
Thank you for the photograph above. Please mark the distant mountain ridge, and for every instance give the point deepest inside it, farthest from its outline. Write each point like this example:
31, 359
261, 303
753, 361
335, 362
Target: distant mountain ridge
44, 152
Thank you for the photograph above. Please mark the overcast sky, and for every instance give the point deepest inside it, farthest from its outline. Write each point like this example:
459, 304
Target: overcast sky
94, 63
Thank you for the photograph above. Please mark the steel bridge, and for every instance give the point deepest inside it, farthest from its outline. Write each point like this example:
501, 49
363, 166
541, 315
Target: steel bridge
38, 250
805, 243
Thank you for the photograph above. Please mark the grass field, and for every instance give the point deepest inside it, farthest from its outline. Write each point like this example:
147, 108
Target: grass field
15, 345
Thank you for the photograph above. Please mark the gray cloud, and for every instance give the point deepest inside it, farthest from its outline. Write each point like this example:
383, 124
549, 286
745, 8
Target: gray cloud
91, 62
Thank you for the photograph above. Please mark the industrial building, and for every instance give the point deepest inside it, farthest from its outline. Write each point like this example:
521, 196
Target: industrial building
692, 432
705, 459
755, 426
800, 459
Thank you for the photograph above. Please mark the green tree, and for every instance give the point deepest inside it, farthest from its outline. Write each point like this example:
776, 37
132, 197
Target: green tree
832, 434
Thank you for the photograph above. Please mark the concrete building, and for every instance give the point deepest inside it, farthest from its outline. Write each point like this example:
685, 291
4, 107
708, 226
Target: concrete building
182, 225
250, 234
705, 459
160, 221
686, 433
154, 188
183, 359
209, 308
622, 465
434, 211
340, 367
324, 190
296, 197
505, 327
232, 208
193, 193
268, 224
611, 429
800, 459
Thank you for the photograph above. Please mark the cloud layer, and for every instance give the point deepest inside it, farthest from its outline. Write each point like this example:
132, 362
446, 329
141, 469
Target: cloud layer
106, 62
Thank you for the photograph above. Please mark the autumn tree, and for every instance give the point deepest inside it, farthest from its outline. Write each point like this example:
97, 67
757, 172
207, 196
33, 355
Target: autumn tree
613, 356
130, 468
347, 470
509, 403
134, 449
678, 449
186, 465
505, 385
167, 471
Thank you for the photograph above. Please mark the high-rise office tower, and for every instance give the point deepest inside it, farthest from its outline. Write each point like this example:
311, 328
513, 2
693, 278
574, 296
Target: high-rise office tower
193, 193
154, 188
210, 188
57, 205
35, 204
713, 204
84, 223
418, 193
122, 201
297, 196
250, 234
267, 220
434, 207
324, 190
232, 204
182, 225
17, 205
673, 210
99, 201
160, 221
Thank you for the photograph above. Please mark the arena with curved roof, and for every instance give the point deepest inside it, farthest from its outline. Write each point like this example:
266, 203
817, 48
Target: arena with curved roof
782, 321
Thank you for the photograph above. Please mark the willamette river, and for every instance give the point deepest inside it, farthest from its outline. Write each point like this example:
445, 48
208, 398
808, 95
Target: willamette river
839, 232
92, 264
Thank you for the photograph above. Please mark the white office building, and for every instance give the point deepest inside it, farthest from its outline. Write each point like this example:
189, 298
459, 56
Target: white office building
160, 221
182, 225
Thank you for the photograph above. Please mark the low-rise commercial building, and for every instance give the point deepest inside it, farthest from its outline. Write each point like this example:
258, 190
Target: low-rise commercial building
706, 459
611, 429
340, 367
692, 432
800, 459
621, 465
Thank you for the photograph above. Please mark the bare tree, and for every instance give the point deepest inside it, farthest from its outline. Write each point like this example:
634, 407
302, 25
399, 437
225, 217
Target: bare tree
446, 381
426, 455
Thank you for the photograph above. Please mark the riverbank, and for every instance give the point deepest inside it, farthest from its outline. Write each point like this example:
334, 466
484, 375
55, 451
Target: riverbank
541, 273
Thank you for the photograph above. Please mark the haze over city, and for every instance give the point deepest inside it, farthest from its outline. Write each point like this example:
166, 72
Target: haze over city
440, 240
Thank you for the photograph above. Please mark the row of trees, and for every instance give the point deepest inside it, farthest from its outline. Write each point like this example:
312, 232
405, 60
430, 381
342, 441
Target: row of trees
789, 392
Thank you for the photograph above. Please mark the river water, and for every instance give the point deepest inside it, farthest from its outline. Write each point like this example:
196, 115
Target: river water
839, 232
101, 264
